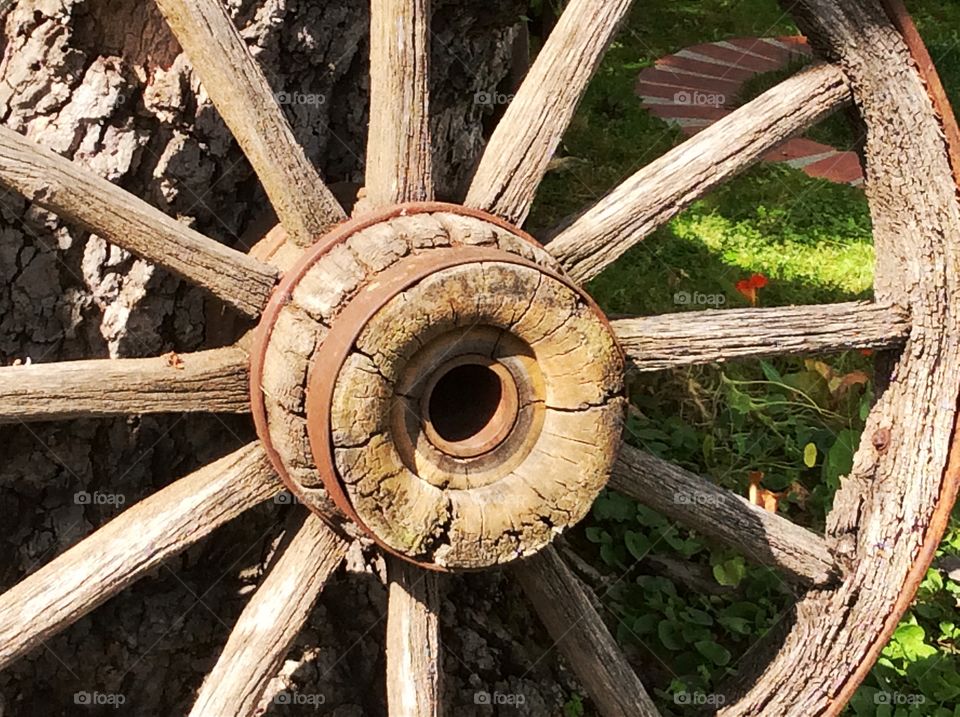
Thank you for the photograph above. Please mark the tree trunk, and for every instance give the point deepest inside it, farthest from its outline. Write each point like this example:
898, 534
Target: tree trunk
104, 83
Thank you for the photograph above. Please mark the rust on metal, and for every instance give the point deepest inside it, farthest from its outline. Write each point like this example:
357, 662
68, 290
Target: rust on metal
950, 487
497, 425
339, 342
931, 78
350, 322
284, 290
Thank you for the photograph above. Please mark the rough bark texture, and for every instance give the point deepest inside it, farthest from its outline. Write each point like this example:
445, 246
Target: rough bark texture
75, 194
245, 101
128, 547
273, 618
103, 82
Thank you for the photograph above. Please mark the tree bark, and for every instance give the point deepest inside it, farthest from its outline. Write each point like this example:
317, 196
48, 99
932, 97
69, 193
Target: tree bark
104, 83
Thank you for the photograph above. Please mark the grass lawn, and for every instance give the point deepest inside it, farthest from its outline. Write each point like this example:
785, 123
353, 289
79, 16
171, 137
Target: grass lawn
793, 421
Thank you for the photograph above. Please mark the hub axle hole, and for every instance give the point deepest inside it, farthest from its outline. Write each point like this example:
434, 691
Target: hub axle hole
470, 406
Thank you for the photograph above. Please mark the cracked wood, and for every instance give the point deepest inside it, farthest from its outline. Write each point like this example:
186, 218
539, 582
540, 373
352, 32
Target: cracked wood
213, 381
666, 186
567, 612
655, 343
398, 145
891, 509
760, 536
272, 619
64, 188
525, 140
131, 545
414, 659
250, 108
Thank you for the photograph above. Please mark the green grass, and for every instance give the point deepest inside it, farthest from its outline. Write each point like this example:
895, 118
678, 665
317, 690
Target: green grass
835, 131
789, 419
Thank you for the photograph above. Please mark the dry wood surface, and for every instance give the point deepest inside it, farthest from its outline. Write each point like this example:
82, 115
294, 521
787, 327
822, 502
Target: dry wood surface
666, 186
66, 189
215, 381
129, 546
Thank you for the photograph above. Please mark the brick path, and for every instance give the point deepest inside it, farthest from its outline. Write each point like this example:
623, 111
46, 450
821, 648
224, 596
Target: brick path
699, 85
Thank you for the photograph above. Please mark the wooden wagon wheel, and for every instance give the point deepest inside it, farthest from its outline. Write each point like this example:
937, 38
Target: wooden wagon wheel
381, 328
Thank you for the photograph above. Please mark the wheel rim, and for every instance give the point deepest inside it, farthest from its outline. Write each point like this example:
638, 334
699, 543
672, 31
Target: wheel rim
399, 172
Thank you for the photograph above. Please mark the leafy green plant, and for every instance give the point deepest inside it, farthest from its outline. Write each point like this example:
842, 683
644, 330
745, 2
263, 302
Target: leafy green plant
686, 611
573, 707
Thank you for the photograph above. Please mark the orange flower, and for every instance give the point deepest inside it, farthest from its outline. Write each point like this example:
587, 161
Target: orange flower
750, 288
760, 496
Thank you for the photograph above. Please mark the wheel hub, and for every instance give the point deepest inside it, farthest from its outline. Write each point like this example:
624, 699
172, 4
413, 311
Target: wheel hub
429, 374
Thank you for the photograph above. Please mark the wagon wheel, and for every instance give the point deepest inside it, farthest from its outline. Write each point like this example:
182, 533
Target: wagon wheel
428, 377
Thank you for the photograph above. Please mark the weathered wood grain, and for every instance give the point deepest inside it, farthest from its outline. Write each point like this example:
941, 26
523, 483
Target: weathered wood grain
655, 343
62, 187
248, 105
215, 381
398, 146
760, 536
891, 510
525, 140
129, 546
573, 623
541, 476
414, 660
271, 620
666, 186
573, 388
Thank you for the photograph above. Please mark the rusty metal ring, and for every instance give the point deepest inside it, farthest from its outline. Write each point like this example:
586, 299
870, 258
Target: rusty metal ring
351, 321
950, 489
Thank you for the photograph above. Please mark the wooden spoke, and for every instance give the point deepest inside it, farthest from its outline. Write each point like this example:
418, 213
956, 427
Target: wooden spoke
242, 95
272, 620
697, 503
60, 186
526, 138
210, 381
398, 147
668, 185
413, 641
891, 511
566, 611
654, 343
129, 546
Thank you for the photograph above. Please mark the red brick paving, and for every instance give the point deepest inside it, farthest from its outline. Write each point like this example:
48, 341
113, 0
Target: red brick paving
683, 96
756, 46
676, 112
782, 55
797, 149
711, 69
736, 58
713, 85
674, 98
843, 169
